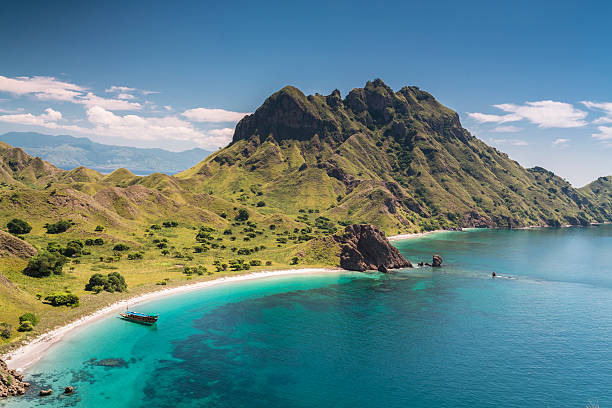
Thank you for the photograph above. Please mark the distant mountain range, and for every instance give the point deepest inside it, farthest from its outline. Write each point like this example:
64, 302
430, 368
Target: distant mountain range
68, 152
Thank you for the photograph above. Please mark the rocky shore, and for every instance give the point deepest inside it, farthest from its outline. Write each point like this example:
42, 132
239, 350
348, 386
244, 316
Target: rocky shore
364, 247
11, 382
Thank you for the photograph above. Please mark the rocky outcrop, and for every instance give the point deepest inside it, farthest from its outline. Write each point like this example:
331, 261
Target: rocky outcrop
13, 246
364, 247
11, 382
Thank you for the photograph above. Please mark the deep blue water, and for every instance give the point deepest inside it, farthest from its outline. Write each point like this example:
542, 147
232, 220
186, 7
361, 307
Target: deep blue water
449, 337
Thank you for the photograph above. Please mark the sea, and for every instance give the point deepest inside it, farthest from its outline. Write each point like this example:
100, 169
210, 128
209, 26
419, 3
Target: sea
537, 335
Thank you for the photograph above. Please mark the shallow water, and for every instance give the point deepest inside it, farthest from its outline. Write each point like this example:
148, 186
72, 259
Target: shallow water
450, 337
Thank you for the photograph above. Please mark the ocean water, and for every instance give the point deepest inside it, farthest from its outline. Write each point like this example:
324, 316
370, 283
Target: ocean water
539, 336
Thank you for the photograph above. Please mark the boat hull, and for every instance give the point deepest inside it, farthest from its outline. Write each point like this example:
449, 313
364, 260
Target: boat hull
146, 320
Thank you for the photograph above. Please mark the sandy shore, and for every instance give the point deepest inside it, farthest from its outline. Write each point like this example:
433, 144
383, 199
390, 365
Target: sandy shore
28, 354
416, 235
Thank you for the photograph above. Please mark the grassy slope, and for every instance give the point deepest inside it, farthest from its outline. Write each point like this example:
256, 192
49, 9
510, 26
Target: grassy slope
403, 163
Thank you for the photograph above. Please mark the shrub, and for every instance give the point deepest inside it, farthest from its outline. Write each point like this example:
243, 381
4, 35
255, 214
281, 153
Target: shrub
29, 317
17, 226
99, 228
134, 256
261, 204
113, 282
5, 330
45, 264
255, 262
121, 247
223, 215
170, 224
58, 227
89, 242
155, 227
243, 215
25, 326
294, 260
268, 263
62, 299
98, 241
73, 248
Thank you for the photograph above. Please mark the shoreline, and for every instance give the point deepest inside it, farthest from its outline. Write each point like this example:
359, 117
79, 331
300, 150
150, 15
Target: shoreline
401, 237
31, 352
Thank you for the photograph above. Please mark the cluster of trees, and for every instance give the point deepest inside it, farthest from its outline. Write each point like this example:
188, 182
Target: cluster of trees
58, 227
121, 247
46, 263
18, 227
6, 330
94, 241
195, 270
62, 299
27, 321
113, 282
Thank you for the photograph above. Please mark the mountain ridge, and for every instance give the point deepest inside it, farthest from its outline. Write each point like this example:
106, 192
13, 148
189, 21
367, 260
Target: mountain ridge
403, 151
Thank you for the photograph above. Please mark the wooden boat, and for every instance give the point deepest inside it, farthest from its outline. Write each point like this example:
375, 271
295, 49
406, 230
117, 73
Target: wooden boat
139, 317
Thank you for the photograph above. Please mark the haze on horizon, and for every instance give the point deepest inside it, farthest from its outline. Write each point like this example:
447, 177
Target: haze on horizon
529, 79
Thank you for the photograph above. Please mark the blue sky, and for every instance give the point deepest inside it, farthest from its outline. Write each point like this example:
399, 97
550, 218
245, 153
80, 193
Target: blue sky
531, 78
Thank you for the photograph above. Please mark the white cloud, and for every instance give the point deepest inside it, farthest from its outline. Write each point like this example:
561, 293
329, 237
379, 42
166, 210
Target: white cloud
506, 129
606, 107
49, 88
43, 88
128, 90
46, 119
91, 100
212, 115
487, 118
605, 133
560, 142
126, 96
545, 114
548, 114
154, 128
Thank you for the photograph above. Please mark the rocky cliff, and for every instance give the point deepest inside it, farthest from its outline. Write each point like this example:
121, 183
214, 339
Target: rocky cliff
365, 247
11, 382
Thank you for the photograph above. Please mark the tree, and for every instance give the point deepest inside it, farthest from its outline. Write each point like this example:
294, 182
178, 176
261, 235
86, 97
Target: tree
25, 326
73, 248
121, 247
29, 317
243, 215
99, 228
58, 227
5, 330
113, 282
45, 264
62, 299
18, 227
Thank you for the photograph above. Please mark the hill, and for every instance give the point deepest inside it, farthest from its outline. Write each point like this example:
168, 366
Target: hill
298, 171
68, 152
399, 160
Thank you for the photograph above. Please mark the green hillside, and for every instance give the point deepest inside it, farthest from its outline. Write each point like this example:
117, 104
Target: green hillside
399, 160
299, 169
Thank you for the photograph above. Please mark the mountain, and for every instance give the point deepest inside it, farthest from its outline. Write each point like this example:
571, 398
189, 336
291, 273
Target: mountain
68, 152
399, 160
297, 176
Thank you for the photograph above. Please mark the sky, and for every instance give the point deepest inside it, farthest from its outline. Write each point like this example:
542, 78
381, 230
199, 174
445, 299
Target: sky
531, 78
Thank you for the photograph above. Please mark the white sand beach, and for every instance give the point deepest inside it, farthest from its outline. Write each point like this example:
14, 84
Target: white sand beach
28, 354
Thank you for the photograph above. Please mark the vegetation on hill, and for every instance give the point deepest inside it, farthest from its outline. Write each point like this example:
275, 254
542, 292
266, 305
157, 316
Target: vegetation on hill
298, 170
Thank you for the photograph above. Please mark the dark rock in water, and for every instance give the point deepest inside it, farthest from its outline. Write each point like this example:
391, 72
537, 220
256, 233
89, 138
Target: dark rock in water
421, 264
69, 389
44, 393
11, 382
365, 247
109, 362
436, 261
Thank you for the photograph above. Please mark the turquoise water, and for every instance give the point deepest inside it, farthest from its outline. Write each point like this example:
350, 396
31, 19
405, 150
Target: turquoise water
450, 337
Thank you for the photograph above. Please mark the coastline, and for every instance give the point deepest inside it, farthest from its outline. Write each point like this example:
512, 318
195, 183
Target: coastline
401, 237
28, 354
